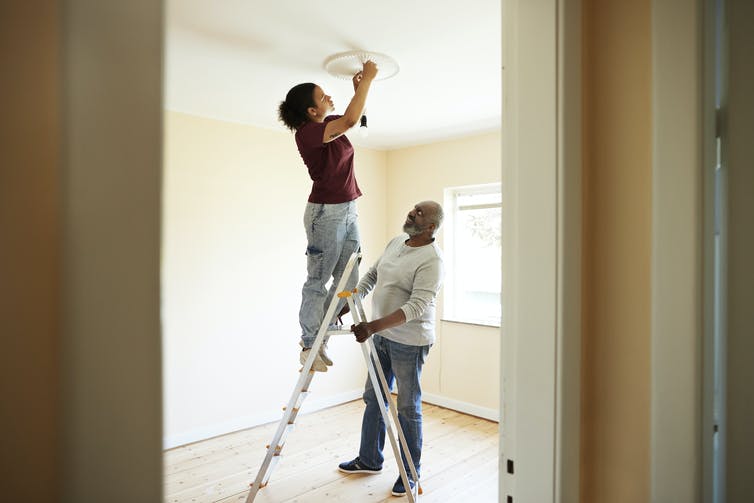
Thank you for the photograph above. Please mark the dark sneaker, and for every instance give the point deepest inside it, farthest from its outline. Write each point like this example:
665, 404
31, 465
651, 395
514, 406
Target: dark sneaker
356, 466
398, 487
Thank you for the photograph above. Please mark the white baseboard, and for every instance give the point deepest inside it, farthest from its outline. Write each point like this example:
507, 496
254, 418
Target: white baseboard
311, 405
465, 407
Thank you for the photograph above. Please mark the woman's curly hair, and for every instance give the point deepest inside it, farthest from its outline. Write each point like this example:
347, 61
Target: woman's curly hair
293, 111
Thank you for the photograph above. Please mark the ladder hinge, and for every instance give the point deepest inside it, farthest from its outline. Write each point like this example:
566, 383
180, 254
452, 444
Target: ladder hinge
510, 466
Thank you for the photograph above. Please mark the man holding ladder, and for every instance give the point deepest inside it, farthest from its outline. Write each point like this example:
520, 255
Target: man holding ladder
405, 282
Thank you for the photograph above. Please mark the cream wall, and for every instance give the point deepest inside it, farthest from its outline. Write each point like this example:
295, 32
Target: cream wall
463, 368
233, 267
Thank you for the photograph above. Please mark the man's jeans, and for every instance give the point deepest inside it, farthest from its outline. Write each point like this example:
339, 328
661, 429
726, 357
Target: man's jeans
403, 364
332, 235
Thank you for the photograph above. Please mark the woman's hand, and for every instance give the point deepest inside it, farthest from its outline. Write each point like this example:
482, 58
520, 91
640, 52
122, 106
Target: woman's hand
369, 72
361, 83
356, 80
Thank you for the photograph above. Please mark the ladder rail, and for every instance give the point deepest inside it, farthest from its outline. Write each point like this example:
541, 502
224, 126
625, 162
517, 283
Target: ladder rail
375, 362
275, 445
386, 418
274, 450
301, 390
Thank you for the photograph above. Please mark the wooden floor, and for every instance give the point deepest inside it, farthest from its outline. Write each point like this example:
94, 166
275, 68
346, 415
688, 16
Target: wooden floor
459, 462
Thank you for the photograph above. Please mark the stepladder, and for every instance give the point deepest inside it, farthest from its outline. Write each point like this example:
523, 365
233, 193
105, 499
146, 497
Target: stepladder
375, 374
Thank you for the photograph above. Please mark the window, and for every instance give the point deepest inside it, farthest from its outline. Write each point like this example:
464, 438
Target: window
473, 254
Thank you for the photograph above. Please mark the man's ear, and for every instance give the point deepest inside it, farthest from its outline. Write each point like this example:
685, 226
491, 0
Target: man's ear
312, 111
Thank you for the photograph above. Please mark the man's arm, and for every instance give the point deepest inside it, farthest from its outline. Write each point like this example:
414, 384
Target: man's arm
366, 283
365, 329
426, 284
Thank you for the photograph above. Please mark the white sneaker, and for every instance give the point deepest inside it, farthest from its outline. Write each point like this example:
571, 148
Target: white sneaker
323, 354
319, 364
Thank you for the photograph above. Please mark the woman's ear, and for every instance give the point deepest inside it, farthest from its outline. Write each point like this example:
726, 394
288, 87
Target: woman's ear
312, 111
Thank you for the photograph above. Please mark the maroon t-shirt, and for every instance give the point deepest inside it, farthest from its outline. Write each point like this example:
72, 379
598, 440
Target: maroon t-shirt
330, 164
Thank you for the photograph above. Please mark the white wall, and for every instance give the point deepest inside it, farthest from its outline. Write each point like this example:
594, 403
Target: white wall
233, 267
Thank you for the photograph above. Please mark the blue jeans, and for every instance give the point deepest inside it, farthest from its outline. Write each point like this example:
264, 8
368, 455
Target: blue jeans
403, 364
332, 235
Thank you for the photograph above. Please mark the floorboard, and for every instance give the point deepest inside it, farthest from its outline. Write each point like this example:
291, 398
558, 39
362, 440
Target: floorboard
459, 462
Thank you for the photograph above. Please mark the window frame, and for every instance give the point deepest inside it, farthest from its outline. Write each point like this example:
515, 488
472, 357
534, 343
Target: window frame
450, 197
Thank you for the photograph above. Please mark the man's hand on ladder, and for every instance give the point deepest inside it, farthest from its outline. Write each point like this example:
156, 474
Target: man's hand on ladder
362, 331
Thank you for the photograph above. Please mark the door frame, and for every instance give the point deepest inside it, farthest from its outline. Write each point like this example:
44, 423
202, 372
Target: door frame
541, 293
677, 250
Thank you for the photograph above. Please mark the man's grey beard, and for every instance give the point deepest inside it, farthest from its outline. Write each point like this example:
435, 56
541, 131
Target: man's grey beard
412, 229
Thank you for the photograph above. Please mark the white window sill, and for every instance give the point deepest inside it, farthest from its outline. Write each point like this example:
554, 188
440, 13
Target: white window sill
477, 323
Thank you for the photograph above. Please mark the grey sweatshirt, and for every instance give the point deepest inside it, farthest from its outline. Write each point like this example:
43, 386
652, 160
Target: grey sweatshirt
406, 278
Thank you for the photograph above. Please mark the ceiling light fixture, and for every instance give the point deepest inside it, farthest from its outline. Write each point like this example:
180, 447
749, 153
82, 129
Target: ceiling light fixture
344, 65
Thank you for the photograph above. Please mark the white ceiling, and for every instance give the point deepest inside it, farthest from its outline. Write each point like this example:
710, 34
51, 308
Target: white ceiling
234, 60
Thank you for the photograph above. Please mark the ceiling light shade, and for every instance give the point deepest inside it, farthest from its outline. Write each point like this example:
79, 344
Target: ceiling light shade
345, 65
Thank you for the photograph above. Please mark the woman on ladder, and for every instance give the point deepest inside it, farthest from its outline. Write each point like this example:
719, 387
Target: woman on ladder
330, 219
